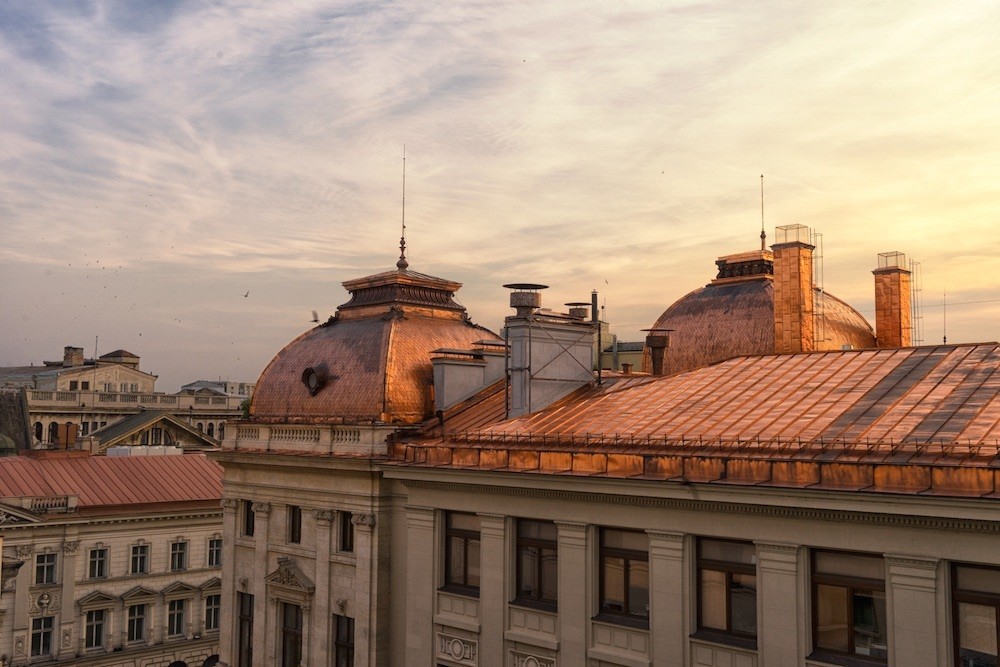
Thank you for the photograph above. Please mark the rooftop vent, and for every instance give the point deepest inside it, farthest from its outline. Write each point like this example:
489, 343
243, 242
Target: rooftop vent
525, 298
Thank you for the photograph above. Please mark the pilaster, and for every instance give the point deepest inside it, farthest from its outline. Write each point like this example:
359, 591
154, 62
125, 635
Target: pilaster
421, 569
667, 598
262, 641
492, 589
911, 598
227, 620
320, 636
778, 605
365, 636
65, 648
575, 590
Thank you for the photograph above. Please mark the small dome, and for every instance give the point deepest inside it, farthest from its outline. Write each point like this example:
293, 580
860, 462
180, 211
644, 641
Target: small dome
734, 316
371, 362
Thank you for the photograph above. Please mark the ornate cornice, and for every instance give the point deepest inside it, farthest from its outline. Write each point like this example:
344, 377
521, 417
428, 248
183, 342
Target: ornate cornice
722, 507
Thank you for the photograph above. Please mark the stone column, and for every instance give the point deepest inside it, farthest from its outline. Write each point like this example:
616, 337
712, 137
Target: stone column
65, 648
492, 589
365, 637
778, 608
912, 609
319, 640
262, 638
667, 580
575, 590
421, 582
229, 615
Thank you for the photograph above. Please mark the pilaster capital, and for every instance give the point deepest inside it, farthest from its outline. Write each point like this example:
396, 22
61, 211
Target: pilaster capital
418, 516
363, 520
261, 508
912, 572
324, 517
70, 546
778, 556
666, 544
572, 534
230, 504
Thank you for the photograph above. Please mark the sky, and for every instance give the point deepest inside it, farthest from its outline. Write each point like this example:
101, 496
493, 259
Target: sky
190, 180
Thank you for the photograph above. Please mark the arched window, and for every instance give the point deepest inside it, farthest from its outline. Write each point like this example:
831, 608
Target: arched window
211, 430
210, 661
201, 427
39, 431
222, 431
53, 432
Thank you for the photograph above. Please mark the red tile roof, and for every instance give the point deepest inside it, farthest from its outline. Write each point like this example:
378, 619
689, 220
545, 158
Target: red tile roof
101, 481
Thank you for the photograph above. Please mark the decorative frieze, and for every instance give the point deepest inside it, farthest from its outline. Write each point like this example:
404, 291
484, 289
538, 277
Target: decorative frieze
520, 659
459, 649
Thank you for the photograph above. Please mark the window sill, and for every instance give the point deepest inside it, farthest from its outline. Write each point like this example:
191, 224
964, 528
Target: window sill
720, 637
844, 660
637, 622
456, 589
538, 605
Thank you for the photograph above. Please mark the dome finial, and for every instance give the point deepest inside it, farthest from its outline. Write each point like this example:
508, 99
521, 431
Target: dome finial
402, 263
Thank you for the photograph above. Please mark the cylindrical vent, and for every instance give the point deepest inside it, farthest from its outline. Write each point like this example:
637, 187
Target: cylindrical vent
530, 300
657, 343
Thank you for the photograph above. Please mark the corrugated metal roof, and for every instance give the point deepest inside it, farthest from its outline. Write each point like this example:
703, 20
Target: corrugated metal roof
105, 481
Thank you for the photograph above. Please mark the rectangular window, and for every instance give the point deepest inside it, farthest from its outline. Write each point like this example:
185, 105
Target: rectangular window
178, 556
537, 567
73, 384
248, 518
343, 641
175, 617
294, 524
244, 656
98, 566
123, 386
41, 636
45, 569
133, 387
85, 428
215, 552
213, 606
346, 531
461, 548
727, 587
136, 623
95, 629
140, 559
976, 602
85, 385
848, 604
624, 582
291, 635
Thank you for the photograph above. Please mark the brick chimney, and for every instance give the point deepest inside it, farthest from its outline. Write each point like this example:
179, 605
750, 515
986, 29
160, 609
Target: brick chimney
892, 301
72, 356
793, 290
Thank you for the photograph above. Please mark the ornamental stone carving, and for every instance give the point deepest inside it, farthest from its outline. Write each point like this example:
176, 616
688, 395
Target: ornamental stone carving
459, 649
49, 602
519, 659
19, 645
70, 547
230, 503
324, 516
261, 508
25, 550
67, 637
363, 520
289, 576
8, 518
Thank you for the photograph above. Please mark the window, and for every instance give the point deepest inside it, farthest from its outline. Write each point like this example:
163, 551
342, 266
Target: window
343, 641
346, 532
213, 606
215, 552
178, 556
462, 552
133, 387
123, 386
727, 587
294, 524
537, 571
211, 430
45, 569
136, 623
73, 384
85, 385
98, 566
291, 635
848, 604
247, 518
85, 428
140, 559
41, 636
976, 600
95, 629
625, 575
244, 656
175, 617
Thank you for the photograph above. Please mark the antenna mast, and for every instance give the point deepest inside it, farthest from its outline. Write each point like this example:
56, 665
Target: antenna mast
402, 263
944, 318
763, 235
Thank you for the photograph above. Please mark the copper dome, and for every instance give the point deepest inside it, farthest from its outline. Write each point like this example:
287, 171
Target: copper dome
734, 316
371, 361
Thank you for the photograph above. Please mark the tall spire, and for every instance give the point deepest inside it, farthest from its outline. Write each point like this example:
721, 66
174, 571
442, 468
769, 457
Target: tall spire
763, 234
402, 263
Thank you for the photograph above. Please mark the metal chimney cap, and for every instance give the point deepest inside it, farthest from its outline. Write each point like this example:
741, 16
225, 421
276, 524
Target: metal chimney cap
525, 286
578, 304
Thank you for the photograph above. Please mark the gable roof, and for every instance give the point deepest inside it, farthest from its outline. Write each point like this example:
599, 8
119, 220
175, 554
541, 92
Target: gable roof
111, 435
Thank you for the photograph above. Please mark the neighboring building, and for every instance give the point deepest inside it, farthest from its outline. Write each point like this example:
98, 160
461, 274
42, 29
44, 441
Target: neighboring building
121, 559
149, 428
623, 356
394, 500
75, 397
218, 388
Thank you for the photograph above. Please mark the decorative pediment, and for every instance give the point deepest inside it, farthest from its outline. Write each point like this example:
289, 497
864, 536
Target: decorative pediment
179, 588
289, 576
14, 515
97, 599
211, 584
138, 592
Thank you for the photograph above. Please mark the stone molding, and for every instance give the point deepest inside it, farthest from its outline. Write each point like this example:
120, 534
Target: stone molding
912, 562
460, 649
25, 550
775, 511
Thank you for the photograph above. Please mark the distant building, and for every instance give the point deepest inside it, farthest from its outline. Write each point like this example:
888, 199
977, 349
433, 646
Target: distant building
120, 560
219, 388
73, 398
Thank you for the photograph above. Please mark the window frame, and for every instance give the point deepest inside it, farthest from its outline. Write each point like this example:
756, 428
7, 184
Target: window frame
520, 542
215, 552
343, 648
95, 630
982, 598
291, 635
46, 573
139, 559
345, 537
467, 537
728, 568
213, 612
244, 629
294, 518
135, 622
850, 584
247, 527
178, 555
628, 556
42, 628
97, 563
177, 616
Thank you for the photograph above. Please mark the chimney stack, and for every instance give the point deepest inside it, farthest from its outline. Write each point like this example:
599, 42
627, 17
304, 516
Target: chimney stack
657, 342
793, 290
72, 356
892, 301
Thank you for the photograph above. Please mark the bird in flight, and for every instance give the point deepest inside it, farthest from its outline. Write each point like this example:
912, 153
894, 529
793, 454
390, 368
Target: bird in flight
246, 294
315, 317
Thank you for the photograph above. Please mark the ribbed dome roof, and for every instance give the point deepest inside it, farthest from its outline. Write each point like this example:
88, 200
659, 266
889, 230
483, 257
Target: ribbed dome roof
734, 316
371, 361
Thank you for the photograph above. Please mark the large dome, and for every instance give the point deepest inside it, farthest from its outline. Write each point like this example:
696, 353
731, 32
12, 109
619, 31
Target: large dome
371, 361
734, 316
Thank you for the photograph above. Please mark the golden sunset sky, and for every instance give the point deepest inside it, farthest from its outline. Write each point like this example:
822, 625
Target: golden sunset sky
162, 159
